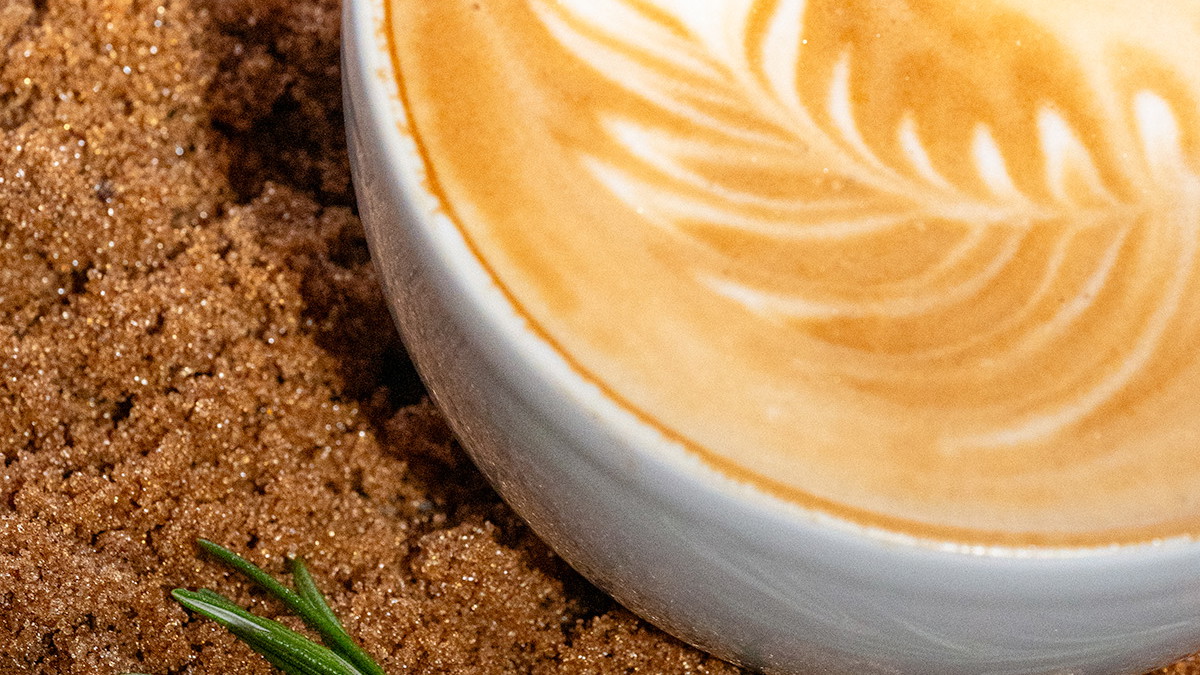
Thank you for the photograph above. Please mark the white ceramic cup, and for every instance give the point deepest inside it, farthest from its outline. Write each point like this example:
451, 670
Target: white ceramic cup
751, 578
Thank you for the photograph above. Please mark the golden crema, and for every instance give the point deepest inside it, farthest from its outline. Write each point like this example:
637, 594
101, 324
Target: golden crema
929, 265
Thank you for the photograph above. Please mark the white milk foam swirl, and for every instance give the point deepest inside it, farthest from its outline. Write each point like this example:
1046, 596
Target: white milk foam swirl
728, 95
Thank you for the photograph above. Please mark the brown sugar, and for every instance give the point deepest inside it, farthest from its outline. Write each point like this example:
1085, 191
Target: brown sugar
192, 343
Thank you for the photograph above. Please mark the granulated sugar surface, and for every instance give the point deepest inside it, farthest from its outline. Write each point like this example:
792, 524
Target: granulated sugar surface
192, 343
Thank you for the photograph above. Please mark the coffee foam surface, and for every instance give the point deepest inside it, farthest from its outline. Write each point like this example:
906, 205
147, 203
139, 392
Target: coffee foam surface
928, 266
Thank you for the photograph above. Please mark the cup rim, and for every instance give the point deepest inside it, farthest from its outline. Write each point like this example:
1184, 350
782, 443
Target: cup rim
493, 307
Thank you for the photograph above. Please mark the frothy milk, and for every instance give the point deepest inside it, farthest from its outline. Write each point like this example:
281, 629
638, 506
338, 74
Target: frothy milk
924, 264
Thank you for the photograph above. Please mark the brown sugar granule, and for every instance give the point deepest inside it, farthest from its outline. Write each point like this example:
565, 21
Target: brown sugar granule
192, 343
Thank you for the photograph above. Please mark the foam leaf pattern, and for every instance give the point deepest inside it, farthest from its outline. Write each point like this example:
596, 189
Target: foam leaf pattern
986, 210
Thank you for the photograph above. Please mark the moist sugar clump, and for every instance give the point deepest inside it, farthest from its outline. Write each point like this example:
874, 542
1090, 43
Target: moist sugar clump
192, 344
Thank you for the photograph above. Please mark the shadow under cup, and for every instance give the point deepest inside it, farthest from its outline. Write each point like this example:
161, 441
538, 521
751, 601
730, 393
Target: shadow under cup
753, 578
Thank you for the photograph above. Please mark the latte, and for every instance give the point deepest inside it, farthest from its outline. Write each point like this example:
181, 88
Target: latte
923, 264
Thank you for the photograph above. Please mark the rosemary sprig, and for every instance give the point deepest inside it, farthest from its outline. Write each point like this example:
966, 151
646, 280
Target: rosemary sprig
283, 647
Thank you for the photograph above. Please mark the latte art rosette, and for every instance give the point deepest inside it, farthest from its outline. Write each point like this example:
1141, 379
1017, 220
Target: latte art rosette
925, 266
1010, 232
854, 336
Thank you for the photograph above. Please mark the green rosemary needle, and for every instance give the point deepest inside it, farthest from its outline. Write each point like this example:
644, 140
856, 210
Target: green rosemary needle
283, 647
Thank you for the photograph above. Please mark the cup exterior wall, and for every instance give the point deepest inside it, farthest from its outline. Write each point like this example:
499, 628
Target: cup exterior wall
728, 569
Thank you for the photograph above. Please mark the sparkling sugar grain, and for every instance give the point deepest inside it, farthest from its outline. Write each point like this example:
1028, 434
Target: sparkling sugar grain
192, 344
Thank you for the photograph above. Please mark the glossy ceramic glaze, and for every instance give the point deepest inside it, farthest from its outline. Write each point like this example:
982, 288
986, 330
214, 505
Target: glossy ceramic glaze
734, 571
